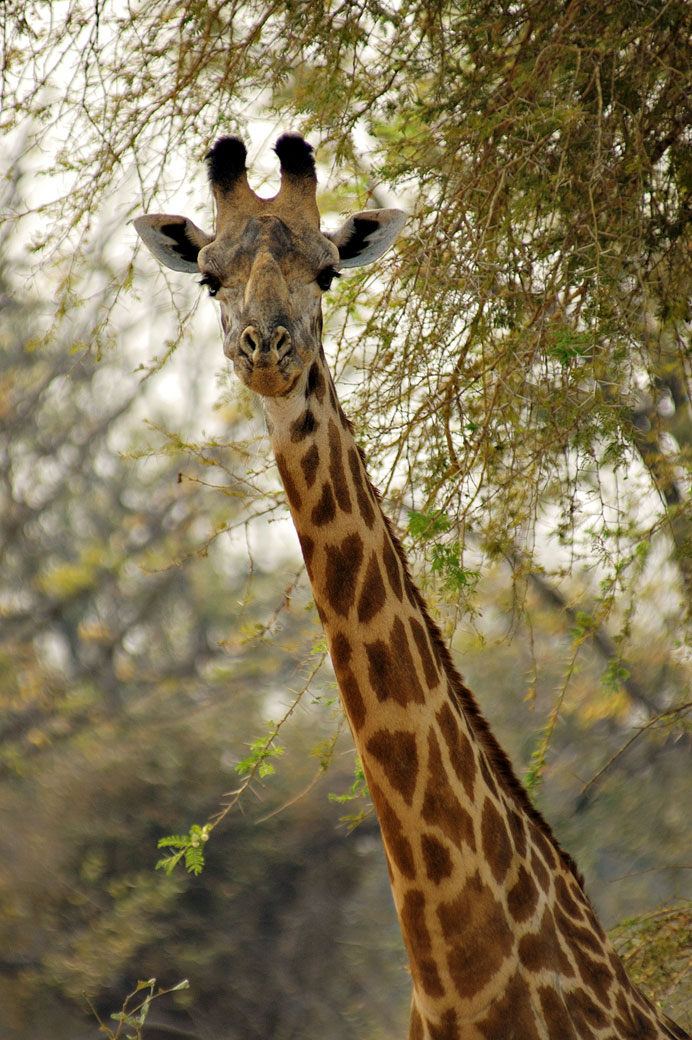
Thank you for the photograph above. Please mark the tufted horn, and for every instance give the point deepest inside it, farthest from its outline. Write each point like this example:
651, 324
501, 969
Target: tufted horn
298, 177
227, 175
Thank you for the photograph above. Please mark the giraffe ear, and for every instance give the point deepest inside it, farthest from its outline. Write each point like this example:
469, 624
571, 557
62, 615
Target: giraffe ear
365, 236
175, 241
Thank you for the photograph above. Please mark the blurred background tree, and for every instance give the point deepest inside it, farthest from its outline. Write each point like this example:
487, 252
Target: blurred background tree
518, 373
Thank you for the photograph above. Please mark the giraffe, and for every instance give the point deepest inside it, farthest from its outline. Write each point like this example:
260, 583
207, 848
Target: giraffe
502, 941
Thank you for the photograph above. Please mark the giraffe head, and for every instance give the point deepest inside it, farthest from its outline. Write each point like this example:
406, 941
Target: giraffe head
268, 263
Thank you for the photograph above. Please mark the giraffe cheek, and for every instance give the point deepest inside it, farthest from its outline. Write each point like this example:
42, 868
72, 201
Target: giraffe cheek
230, 339
306, 339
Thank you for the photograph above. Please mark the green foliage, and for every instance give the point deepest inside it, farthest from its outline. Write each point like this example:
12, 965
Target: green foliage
446, 560
615, 675
427, 525
262, 751
189, 847
656, 950
357, 791
445, 557
568, 344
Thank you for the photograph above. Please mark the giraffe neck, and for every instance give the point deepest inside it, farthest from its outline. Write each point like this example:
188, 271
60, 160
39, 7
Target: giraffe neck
489, 905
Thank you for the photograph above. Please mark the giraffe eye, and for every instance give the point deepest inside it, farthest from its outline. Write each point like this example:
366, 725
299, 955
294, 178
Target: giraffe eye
212, 283
325, 277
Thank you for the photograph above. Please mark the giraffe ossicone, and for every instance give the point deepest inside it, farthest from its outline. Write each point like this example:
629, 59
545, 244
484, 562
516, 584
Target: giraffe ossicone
502, 941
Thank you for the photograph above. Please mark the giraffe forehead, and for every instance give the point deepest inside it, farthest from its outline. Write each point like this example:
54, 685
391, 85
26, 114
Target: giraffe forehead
241, 243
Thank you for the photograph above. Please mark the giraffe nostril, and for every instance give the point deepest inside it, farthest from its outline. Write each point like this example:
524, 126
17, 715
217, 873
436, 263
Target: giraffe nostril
281, 341
274, 346
250, 340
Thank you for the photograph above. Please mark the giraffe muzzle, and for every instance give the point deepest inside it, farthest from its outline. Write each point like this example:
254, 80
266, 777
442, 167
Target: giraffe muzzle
263, 350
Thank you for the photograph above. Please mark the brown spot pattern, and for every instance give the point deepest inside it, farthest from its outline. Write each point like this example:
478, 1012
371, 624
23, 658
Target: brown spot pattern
460, 750
595, 925
446, 1028
391, 671
596, 975
466, 923
618, 969
372, 596
585, 1014
315, 382
497, 847
392, 566
420, 636
352, 698
542, 949
518, 832
309, 465
512, 1015
539, 871
398, 755
336, 469
402, 654
566, 899
341, 650
555, 1014
417, 936
411, 594
325, 510
341, 572
574, 932
365, 505
487, 774
437, 858
522, 897
397, 844
633, 1023
380, 668
288, 482
303, 427
547, 850
308, 549
441, 807
415, 1026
